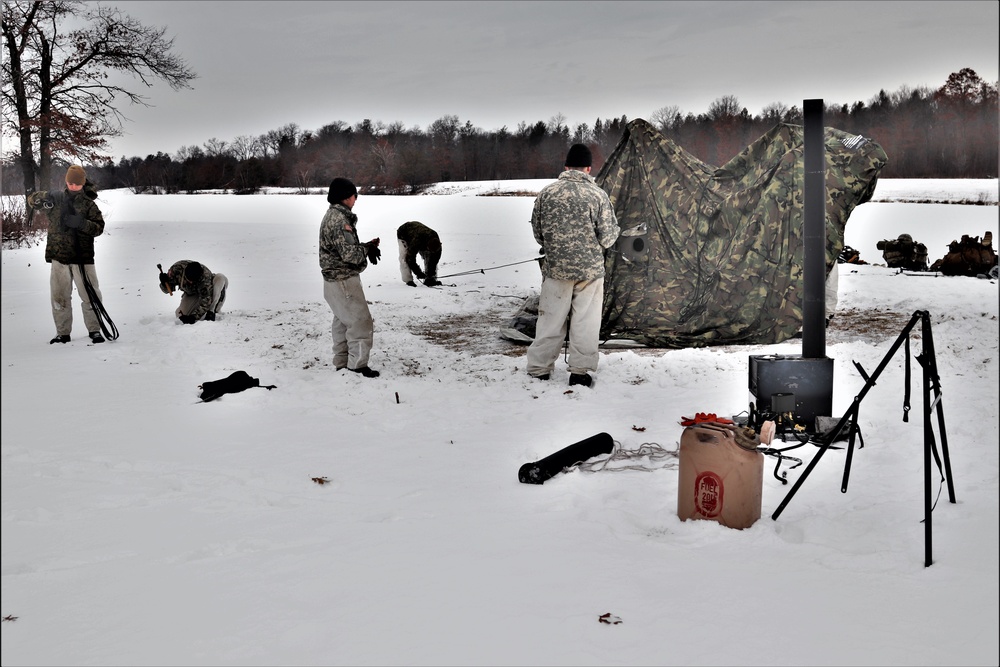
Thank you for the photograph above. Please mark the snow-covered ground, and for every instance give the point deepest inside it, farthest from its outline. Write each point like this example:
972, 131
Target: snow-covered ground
141, 526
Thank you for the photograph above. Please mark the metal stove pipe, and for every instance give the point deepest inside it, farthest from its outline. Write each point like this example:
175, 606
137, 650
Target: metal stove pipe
814, 233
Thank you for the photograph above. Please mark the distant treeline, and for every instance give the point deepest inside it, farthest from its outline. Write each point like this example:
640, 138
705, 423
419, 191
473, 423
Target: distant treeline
951, 132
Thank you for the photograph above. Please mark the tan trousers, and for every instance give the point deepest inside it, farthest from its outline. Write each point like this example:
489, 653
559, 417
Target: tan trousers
353, 328
581, 302
62, 277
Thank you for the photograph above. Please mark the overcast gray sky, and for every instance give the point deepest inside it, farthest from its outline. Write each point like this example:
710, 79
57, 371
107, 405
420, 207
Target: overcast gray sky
262, 65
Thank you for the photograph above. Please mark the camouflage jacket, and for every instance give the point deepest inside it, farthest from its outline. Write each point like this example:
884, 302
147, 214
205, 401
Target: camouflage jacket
341, 255
418, 237
204, 288
63, 243
574, 222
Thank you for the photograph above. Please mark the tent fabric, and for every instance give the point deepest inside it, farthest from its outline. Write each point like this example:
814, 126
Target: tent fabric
713, 256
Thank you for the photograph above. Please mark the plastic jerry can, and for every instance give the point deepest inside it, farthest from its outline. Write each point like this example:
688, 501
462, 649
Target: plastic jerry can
718, 479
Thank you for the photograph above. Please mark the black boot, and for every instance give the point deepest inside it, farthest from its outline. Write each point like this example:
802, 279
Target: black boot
62, 338
364, 370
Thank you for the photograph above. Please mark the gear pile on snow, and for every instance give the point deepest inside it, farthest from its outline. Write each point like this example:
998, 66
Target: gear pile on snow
968, 257
903, 253
850, 256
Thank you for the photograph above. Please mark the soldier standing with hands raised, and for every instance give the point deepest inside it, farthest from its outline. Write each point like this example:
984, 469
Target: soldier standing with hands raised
74, 222
342, 258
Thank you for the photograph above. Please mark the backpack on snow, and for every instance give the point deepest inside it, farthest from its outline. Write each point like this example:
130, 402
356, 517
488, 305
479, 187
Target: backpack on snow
235, 383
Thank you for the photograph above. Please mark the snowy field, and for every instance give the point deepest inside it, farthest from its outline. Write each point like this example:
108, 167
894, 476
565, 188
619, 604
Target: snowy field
351, 521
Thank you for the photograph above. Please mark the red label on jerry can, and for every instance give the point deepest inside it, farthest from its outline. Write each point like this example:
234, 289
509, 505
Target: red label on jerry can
708, 494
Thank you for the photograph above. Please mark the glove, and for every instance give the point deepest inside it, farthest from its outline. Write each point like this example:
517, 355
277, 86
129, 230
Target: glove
165, 284
374, 254
188, 319
74, 221
210, 316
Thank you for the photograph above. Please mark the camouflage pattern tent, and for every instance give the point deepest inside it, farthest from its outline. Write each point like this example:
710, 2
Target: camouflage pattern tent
713, 256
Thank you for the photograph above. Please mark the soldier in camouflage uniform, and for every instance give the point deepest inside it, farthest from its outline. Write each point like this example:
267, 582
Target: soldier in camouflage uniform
342, 258
74, 222
416, 238
574, 222
204, 291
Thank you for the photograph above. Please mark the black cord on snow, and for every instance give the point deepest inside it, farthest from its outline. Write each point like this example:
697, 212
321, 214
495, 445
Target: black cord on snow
98, 307
469, 273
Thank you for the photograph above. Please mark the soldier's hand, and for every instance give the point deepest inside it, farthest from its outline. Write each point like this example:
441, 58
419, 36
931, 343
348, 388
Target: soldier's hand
188, 319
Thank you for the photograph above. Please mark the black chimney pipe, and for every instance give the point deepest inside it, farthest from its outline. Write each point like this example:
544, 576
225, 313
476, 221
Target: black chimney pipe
814, 233
806, 379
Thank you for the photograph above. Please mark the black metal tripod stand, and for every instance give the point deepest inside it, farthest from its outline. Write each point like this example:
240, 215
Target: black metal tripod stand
931, 383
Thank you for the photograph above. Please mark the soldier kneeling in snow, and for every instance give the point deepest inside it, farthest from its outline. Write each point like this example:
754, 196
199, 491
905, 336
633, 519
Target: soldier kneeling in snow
204, 291
416, 238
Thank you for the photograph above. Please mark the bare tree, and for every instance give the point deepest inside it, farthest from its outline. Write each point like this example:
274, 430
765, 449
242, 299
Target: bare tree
444, 131
273, 142
557, 124
774, 113
666, 118
245, 147
726, 107
189, 153
216, 148
965, 86
56, 78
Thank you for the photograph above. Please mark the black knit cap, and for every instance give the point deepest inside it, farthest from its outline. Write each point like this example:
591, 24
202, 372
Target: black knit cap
193, 272
579, 156
341, 189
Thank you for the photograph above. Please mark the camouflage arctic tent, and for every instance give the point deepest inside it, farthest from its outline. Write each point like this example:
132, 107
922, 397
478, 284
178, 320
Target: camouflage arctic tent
713, 256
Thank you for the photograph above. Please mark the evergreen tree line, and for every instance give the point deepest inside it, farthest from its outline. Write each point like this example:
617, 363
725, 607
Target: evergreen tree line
950, 132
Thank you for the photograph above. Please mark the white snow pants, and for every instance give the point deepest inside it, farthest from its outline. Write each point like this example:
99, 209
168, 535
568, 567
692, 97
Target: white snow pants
832, 286
581, 302
353, 328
